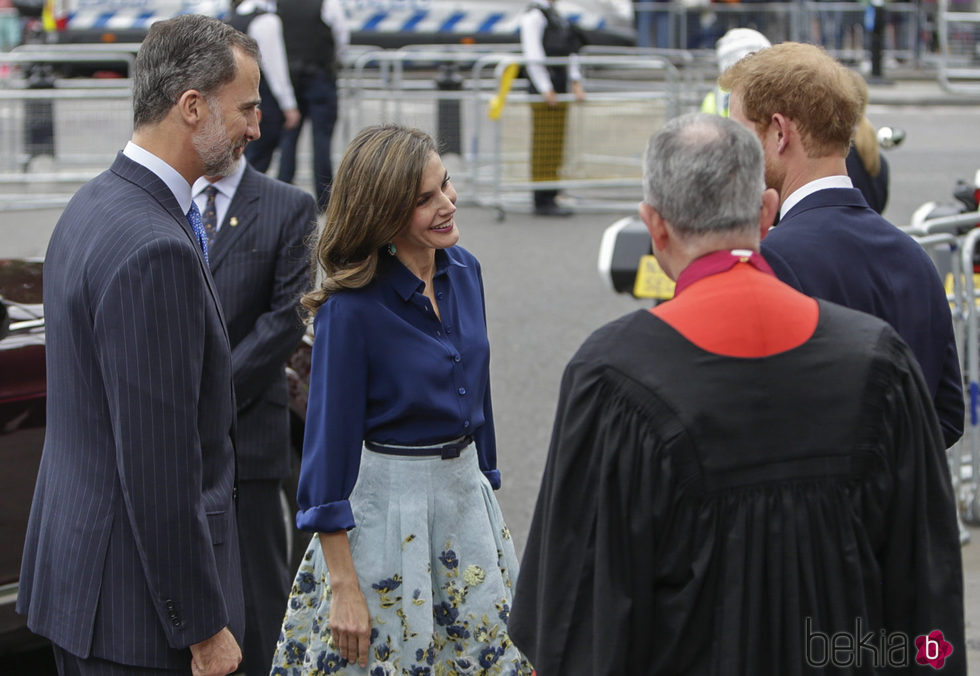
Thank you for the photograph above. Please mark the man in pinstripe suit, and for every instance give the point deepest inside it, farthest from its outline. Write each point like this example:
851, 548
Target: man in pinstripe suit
131, 563
257, 229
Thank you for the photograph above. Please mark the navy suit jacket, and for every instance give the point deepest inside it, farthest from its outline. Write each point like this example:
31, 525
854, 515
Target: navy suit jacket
832, 245
132, 547
260, 263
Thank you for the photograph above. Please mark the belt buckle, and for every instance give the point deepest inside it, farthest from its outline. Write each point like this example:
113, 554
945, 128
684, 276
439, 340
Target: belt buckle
452, 451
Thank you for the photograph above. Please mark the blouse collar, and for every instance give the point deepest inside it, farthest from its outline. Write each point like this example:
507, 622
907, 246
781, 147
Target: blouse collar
404, 281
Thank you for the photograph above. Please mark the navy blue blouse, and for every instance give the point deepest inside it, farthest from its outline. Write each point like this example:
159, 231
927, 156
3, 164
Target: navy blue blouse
386, 369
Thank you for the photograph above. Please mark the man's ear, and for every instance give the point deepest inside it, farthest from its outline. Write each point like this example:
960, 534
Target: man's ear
192, 107
782, 127
767, 214
656, 226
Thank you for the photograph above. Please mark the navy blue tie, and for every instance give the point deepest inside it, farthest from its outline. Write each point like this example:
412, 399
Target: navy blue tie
194, 218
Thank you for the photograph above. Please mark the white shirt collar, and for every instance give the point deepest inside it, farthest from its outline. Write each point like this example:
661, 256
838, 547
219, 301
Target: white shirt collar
813, 186
178, 186
226, 185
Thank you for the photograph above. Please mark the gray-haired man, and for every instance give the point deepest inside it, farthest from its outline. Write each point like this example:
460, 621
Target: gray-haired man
742, 472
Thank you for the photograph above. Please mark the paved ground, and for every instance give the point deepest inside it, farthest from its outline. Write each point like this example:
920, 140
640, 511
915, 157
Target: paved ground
544, 295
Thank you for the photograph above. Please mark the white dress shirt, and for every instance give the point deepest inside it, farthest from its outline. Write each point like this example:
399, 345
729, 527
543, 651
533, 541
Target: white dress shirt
177, 184
266, 29
533, 24
332, 14
813, 186
222, 199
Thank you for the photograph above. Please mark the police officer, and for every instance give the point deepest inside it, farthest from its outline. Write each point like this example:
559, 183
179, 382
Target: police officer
546, 33
315, 31
259, 20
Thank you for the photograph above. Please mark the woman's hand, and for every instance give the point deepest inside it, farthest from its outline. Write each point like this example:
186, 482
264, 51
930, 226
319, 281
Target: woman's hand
578, 90
350, 623
350, 620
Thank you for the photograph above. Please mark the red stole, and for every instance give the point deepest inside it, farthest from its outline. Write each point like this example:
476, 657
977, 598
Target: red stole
730, 303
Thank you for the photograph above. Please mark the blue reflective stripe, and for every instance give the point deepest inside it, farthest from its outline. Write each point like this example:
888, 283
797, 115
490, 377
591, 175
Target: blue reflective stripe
487, 25
450, 23
372, 23
479, 22
414, 21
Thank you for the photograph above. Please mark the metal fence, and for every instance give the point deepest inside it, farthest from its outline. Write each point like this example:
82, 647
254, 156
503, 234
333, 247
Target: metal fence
954, 244
596, 160
450, 94
959, 34
841, 27
57, 136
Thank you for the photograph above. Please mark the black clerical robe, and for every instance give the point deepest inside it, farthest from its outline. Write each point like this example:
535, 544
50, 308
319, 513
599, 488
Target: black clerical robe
704, 514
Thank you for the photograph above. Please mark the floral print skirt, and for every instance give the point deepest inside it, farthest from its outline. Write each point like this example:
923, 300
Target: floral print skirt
436, 564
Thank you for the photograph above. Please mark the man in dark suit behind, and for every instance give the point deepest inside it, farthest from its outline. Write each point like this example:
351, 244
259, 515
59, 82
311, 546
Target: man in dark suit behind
131, 563
257, 229
829, 243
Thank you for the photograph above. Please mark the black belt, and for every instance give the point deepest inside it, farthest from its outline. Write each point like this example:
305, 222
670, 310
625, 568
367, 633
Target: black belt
447, 451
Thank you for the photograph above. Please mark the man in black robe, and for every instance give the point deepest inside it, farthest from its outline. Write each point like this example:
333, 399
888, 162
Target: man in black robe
743, 480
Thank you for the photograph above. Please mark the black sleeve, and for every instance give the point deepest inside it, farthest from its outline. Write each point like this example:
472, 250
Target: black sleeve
922, 560
575, 608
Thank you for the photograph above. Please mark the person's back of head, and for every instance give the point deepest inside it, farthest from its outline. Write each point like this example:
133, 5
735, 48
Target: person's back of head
803, 83
704, 175
187, 52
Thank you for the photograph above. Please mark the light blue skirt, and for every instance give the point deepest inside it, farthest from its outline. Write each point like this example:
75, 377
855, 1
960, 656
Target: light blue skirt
436, 564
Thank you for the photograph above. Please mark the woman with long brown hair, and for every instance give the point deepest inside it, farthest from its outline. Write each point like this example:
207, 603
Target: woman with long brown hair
412, 567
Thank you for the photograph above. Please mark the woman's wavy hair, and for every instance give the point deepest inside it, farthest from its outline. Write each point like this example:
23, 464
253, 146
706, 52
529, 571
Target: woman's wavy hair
372, 199
865, 136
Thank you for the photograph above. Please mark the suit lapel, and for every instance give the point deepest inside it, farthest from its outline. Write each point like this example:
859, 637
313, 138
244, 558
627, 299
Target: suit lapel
243, 212
136, 173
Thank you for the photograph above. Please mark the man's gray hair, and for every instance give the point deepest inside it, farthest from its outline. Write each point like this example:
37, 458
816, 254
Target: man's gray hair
705, 174
187, 52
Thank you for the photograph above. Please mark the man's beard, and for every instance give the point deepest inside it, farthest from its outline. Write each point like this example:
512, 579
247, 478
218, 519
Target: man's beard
215, 151
775, 175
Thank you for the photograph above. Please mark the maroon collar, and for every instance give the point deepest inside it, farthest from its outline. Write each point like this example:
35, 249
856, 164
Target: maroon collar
719, 261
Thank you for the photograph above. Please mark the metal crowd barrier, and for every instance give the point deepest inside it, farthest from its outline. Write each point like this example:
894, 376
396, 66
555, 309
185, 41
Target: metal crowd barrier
838, 26
61, 135
955, 240
628, 98
448, 92
959, 35
69, 133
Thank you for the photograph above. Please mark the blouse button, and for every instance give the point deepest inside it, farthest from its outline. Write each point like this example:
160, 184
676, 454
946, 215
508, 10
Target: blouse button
439, 295
456, 358
466, 423
448, 330
461, 391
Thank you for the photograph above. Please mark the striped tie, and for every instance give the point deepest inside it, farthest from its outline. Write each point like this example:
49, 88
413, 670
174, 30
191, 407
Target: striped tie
194, 218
